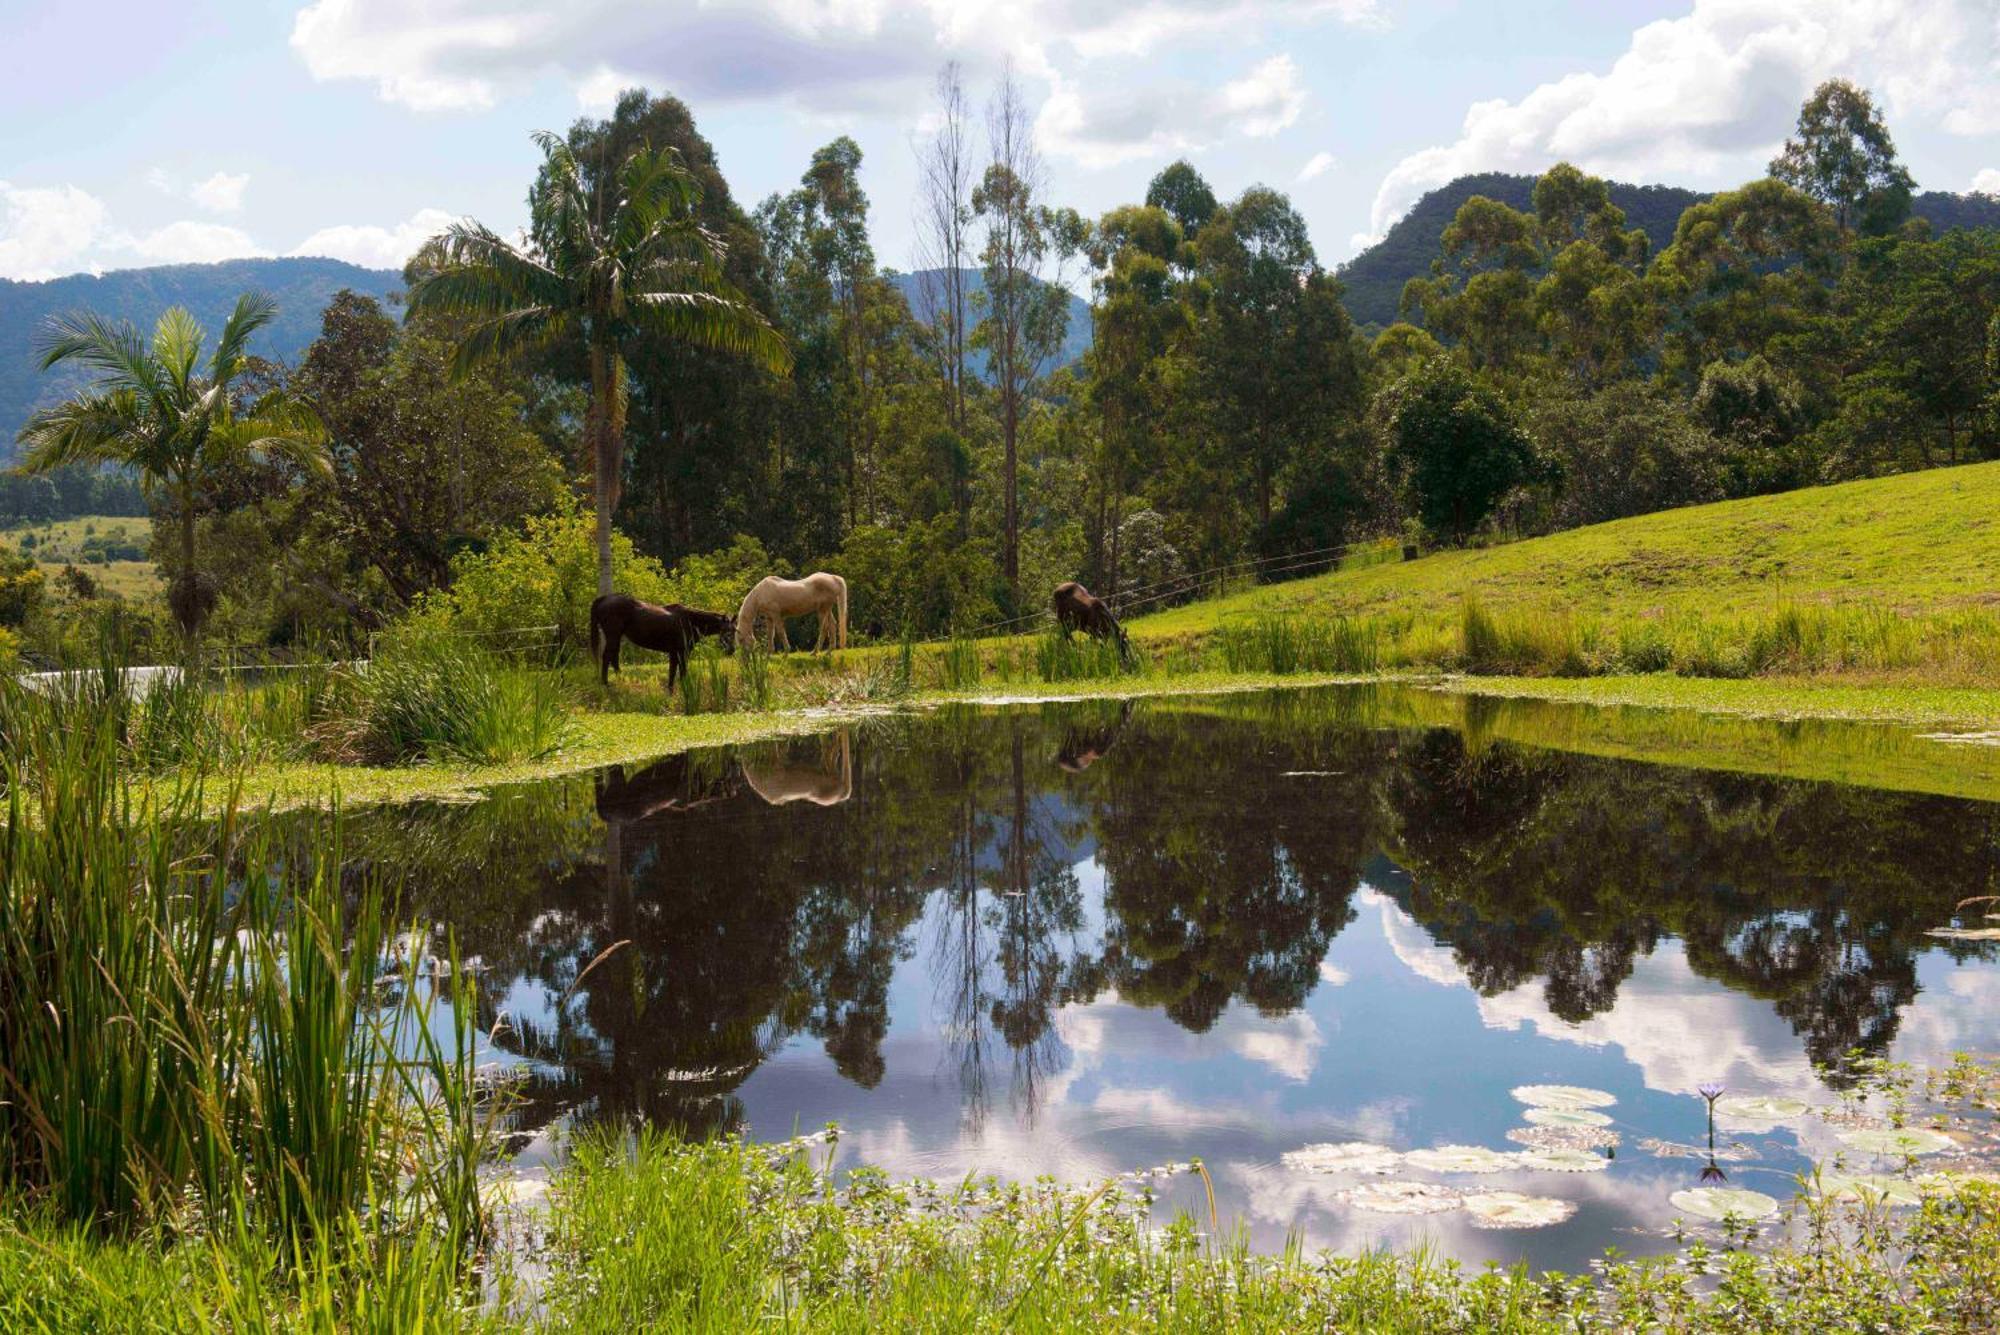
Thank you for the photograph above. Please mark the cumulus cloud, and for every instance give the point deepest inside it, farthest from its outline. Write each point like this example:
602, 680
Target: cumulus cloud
220, 193
1987, 182
1266, 100
190, 242
1319, 164
375, 247
46, 231
1709, 96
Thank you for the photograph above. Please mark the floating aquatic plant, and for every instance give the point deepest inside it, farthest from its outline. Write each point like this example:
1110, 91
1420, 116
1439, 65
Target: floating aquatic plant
1870, 1187
1564, 1137
1721, 1203
1669, 1149
1760, 1108
1511, 1209
1965, 933
1404, 1197
1563, 1096
1352, 1156
1565, 1117
1897, 1140
1460, 1159
1563, 1161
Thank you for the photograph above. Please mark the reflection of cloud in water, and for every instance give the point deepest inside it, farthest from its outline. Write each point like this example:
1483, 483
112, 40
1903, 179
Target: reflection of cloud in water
1410, 943
1286, 1044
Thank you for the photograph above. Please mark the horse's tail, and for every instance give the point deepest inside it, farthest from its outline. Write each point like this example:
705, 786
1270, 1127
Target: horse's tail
842, 641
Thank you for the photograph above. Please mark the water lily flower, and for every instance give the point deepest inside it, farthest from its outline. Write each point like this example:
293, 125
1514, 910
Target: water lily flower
1711, 1091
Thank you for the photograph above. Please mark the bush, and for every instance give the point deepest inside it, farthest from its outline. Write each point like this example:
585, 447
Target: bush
439, 698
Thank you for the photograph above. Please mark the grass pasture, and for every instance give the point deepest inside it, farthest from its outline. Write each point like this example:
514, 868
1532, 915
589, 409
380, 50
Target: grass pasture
61, 543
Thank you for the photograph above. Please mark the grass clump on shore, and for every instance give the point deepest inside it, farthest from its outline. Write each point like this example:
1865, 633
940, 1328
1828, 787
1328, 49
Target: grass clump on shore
209, 1050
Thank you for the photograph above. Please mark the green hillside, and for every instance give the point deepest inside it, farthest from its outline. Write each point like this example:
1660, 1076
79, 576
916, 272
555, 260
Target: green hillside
1373, 280
1887, 575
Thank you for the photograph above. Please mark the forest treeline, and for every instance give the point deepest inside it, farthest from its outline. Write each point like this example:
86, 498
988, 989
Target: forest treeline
1555, 368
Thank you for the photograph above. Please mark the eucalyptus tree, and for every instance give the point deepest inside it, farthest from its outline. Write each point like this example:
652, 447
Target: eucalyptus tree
154, 407
1841, 154
616, 260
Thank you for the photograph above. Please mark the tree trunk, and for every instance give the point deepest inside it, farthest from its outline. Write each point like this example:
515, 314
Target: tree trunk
191, 625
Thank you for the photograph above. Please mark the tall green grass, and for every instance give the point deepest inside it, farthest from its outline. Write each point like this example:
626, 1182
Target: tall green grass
438, 698
200, 1034
1060, 657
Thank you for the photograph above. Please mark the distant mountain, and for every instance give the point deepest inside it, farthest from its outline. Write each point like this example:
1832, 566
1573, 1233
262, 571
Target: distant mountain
302, 287
1075, 343
1374, 279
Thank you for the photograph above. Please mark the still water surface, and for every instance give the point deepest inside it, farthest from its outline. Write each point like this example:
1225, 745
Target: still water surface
1087, 939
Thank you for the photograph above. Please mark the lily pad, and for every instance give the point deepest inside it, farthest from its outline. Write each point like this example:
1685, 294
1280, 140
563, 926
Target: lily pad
1760, 1107
1460, 1159
1564, 1161
1729, 1152
1870, 1187
1720, 1203
1965, 933
1404, 1197
1511, 1209
1352, 1156
1564, 1137
1565, 1117
1563, 1096
1896, 1141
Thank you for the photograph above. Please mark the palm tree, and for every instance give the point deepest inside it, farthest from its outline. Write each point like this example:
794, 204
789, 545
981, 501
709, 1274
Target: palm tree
617, 262
151, 408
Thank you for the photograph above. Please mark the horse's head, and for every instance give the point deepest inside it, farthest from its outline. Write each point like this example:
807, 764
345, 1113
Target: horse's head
726, 632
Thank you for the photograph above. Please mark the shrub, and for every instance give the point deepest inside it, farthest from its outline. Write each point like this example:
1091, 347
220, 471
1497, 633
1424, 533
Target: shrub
427, 696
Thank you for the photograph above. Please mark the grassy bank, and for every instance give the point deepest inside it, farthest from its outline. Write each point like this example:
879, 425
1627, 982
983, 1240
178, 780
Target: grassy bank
1887, 581
657, 1235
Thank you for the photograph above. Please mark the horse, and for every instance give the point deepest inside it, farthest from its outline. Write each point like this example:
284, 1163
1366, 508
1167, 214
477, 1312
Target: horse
673, 630
775, 599
1077, 608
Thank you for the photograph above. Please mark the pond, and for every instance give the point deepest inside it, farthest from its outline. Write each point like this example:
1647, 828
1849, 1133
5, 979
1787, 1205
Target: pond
1094, 938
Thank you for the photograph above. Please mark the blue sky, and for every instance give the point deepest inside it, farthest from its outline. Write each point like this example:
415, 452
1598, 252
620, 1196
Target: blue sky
142, 133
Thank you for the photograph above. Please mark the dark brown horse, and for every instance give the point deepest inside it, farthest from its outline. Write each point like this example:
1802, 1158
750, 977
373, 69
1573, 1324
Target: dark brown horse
673, 630
1077, 608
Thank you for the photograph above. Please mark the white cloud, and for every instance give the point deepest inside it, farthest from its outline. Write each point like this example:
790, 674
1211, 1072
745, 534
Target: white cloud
46, 231
598, 93
1266, 100
376, 247
1987, 182
1103, 127
1319, 164
220, 193
190, 242
1709, 96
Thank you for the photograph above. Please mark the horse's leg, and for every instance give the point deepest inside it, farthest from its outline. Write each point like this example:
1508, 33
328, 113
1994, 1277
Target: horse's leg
784, 640
674, 669
610, 659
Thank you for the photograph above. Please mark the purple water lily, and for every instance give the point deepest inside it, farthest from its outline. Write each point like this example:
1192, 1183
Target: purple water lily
1711, 1091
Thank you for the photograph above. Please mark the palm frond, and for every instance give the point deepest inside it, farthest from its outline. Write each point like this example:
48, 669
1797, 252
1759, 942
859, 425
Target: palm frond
177, 340
282, 427
510, 334
113, 349
720, 321
482, 275
108, 427
253, 311
656, 190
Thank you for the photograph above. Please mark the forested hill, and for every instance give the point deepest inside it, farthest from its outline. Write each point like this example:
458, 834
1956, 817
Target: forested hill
301, 286
1075, 343
1374, 279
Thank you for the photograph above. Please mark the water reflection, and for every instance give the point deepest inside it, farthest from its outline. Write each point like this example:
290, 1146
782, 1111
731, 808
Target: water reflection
1216, 929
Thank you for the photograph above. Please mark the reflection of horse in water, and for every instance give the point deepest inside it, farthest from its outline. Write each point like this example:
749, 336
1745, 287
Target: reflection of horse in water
1083, 746
829, 783
673, 784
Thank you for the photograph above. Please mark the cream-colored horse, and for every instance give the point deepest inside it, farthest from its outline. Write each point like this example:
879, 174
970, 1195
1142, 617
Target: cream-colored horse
775, 599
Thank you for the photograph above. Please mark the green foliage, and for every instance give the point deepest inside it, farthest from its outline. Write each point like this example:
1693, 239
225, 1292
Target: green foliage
1060, 657
1841, 155
1457, 446
959, 665
428, 696
21, 588
179, 1053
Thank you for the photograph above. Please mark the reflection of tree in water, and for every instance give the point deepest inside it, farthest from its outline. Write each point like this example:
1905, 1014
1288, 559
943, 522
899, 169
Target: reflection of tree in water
1222, 878
1815, 898
1230, 845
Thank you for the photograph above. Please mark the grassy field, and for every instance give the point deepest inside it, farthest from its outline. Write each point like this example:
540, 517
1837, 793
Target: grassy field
61, 543
1920, 543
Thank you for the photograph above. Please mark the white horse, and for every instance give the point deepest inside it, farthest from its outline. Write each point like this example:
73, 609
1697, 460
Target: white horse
775, 599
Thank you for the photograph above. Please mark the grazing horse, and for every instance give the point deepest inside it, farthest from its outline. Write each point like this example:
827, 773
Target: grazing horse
775, 599
673, 630
1077, 608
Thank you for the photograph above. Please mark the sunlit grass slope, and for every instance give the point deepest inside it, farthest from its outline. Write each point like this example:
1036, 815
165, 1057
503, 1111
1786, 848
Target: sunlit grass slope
1922, 542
